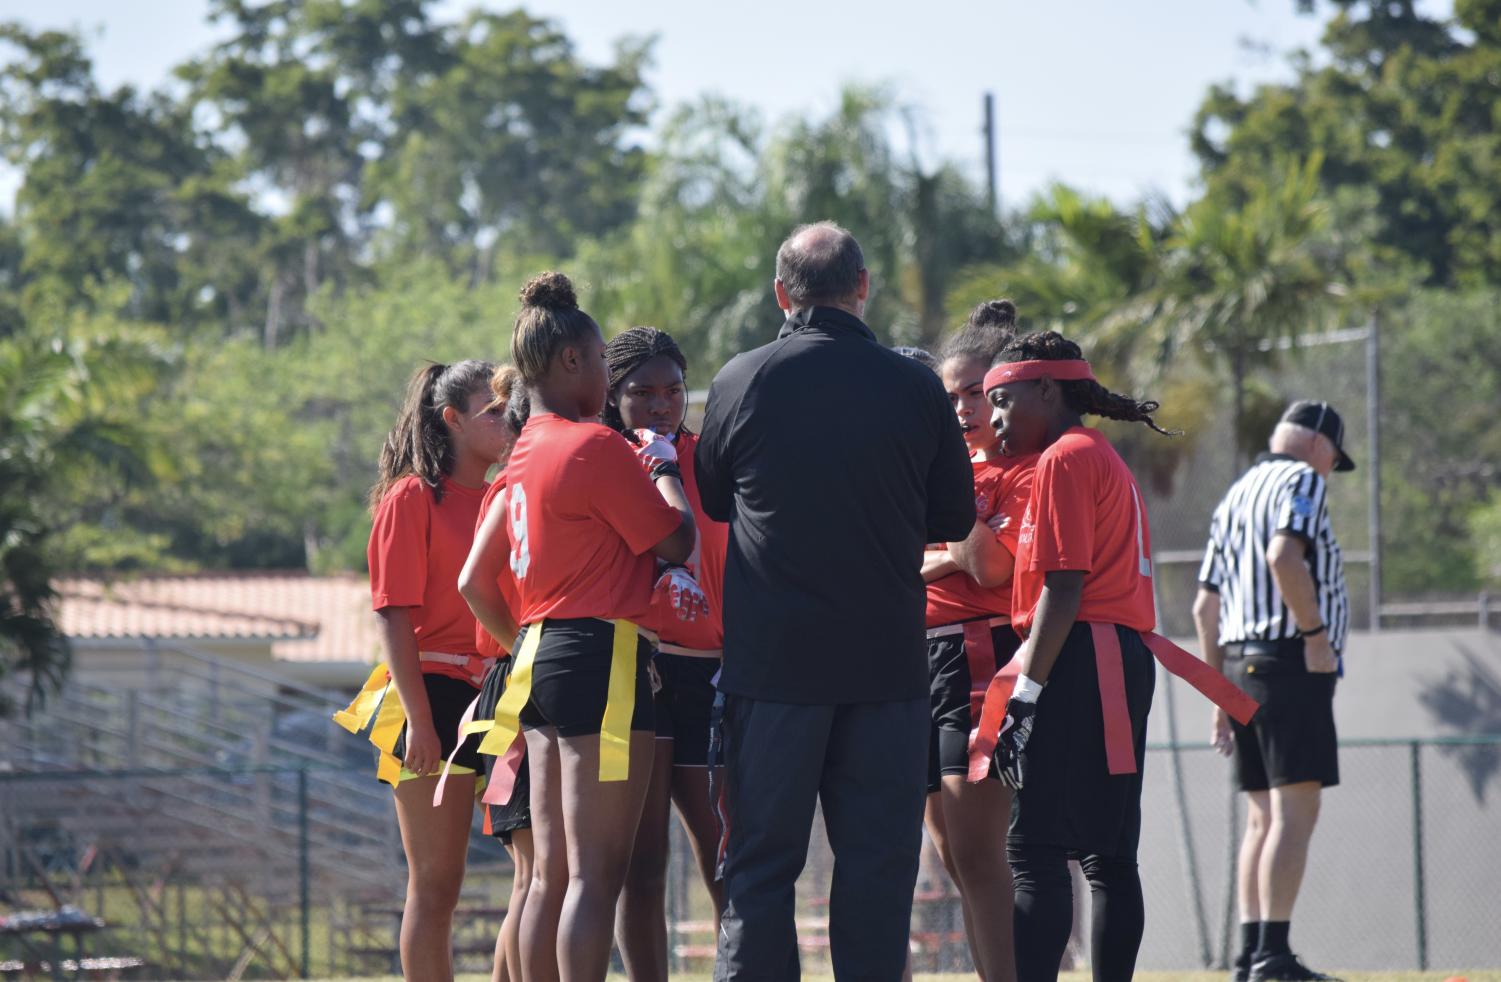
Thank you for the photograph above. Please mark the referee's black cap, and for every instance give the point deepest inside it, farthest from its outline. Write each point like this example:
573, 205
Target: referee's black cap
1321, 418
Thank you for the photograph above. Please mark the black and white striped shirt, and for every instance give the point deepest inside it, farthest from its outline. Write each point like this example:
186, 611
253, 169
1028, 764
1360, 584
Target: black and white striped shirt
1279, 494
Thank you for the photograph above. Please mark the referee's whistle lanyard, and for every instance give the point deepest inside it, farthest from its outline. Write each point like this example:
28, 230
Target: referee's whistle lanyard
1120, 750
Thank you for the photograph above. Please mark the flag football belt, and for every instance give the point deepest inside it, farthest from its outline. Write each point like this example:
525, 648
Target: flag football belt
503, 730
378, 700
1120, 751
979, 652
475, 666
677, 649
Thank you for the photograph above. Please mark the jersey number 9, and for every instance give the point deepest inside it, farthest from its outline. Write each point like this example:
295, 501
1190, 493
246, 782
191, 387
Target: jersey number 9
521, 554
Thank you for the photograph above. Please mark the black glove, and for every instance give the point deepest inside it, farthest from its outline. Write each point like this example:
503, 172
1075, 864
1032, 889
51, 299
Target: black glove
1015, 731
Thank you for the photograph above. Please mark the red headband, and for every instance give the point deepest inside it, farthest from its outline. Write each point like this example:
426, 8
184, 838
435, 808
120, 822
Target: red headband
1072, 370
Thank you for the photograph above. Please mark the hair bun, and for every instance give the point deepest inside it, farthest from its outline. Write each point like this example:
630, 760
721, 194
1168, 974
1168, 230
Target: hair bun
994, 313
550, 291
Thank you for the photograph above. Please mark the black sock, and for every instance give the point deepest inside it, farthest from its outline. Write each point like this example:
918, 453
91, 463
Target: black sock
1250, 939
1273, 938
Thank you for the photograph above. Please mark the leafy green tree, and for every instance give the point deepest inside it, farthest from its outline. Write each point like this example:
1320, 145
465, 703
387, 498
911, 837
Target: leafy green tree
1441, 449
1404, 107
60, 429
101, 171
1235, 283
511, 140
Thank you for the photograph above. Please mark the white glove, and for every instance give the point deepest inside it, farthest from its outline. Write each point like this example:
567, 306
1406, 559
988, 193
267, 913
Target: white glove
657, 454
683, 592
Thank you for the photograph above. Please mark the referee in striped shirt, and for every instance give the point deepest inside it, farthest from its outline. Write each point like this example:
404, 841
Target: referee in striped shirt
1273, 612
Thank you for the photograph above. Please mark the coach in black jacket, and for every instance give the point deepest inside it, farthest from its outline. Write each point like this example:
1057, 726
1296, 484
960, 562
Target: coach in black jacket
834, 460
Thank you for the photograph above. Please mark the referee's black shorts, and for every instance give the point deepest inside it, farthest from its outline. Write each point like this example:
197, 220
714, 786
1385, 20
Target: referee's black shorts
1069, 798
1291, 739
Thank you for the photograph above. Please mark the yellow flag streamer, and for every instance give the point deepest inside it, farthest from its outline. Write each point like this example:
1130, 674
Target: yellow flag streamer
359, 712
506, 725
384, 734
620, 706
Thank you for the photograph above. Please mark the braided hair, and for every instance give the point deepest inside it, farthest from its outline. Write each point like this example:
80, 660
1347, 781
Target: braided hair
628, 351
1083, 395
419, 444
990, 328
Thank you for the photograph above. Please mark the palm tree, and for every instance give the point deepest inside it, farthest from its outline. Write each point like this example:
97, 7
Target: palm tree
56, 425
1238, 284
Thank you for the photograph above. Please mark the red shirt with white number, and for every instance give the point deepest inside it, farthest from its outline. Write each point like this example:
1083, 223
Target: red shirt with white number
417, 549
1085, 513
702, 633
1002, 487
506, 580
583, 518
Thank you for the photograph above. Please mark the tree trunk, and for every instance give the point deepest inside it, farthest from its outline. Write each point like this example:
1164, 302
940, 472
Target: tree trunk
1238, 410
273, 314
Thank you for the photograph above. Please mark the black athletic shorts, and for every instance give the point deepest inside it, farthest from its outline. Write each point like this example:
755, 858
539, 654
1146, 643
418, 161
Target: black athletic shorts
1291, 738
447, 698
571, 678
502, 820
684, 705
952, 691
1068, 797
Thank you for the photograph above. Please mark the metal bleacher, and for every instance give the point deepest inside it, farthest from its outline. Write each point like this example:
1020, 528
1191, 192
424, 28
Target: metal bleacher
170, 776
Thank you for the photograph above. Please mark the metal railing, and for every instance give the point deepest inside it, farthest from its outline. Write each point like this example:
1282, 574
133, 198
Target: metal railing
1401, 873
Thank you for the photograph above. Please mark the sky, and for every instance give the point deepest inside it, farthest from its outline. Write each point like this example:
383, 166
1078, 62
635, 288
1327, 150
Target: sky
1098, 94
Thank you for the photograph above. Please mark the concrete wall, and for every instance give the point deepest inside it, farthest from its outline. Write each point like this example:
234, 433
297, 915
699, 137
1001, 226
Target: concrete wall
1359, 908
1397, 685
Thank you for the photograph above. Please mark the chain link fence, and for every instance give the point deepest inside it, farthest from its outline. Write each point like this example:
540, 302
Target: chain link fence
129, 869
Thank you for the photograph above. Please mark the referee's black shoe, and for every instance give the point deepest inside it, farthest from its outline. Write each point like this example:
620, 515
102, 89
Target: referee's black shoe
1240, 969
1285, 967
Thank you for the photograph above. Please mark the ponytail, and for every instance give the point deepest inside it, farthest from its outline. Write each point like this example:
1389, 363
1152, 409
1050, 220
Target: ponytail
1083, 395
990, 328
419, 444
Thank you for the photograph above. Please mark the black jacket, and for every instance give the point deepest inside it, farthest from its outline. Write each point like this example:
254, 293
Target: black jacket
834, 460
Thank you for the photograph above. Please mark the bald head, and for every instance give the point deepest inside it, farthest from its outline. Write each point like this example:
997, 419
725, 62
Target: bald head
821, 265
1302, 443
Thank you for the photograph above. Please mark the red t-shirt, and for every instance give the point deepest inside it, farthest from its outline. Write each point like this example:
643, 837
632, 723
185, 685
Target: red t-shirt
703, 633
1002, 487
1085, 513
583, 518
506, 580
417, 550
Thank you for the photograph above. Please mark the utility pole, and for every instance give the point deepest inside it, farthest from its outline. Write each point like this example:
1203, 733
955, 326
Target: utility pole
992, 185
1373, 427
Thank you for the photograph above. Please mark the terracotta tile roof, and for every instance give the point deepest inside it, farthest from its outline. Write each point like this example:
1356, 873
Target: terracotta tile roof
304, 617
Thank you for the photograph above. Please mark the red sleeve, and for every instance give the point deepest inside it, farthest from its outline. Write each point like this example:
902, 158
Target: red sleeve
623, 496
1011, 501
1063, 497
398, 547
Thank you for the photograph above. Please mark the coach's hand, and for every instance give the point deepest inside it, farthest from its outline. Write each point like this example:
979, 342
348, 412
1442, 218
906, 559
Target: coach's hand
423, 751
1016, 730
1318, 654
1220, 735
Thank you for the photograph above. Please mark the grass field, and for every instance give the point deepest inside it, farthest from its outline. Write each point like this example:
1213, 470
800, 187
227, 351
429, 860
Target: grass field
1486, 975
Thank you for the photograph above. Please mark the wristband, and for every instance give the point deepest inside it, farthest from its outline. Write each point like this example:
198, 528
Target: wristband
1314, 632
1026, 690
